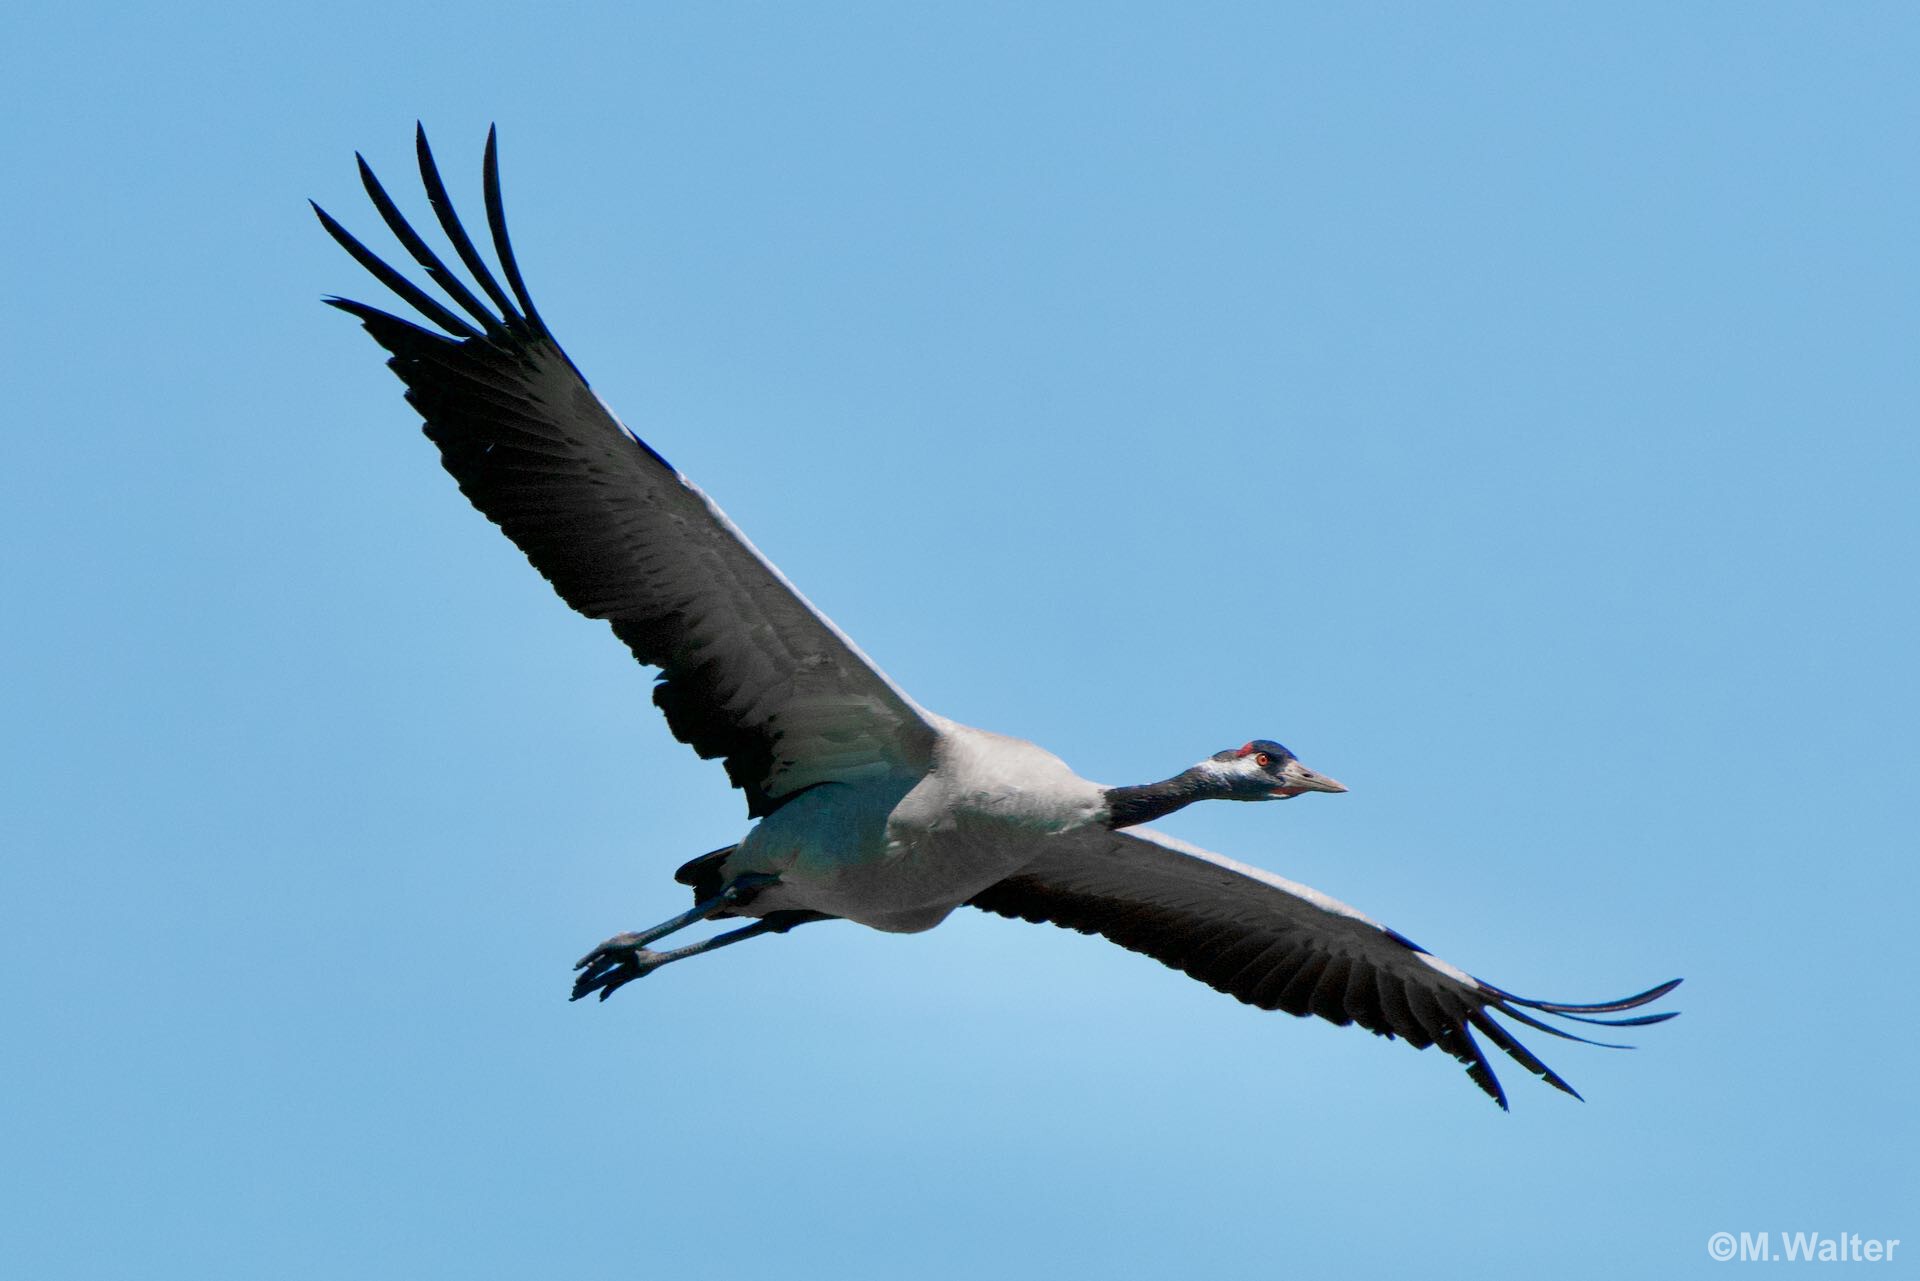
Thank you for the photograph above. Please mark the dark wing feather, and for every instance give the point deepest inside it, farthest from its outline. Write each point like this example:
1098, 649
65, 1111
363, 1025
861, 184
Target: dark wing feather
1281, 946
750, 671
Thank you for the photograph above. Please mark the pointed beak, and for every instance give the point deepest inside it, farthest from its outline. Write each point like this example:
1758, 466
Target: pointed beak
1298, 778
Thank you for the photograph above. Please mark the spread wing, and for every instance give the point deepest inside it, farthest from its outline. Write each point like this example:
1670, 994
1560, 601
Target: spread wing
1281, 946
750, 671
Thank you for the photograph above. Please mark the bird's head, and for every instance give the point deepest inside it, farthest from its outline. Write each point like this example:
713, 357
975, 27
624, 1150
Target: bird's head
1263, 770
1258, 771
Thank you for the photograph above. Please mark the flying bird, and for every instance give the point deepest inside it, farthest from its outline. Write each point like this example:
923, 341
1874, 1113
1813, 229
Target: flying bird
867, 806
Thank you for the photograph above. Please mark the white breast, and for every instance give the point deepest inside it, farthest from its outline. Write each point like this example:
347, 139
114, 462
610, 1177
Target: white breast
992, 782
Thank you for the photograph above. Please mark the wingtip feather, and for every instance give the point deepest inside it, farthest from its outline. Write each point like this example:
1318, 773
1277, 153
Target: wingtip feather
1573, 1008
502, 243
456, 233
1519, 1053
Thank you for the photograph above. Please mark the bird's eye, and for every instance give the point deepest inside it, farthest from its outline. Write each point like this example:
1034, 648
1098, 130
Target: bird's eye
1263, 760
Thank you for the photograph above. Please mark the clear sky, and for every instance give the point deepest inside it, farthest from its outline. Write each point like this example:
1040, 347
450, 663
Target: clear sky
1510, 408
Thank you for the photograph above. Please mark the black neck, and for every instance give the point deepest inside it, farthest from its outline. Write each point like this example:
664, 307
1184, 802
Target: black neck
1129, 805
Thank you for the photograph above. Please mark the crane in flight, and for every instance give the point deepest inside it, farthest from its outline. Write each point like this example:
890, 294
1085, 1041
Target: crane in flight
868, 807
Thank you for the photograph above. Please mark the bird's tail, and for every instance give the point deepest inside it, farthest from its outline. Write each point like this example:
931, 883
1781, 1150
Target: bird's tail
706, 874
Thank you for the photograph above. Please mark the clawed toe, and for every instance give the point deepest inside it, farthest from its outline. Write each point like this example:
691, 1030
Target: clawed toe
619, 944
611, 966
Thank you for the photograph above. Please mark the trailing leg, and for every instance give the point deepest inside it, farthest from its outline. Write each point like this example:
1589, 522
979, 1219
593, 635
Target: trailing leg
734, 893
626, 957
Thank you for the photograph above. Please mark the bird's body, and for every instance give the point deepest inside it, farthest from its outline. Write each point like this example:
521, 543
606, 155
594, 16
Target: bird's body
869, 808
901, 853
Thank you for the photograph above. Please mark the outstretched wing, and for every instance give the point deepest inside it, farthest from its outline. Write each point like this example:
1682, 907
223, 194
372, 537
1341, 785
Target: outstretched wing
1281, 946
750, 671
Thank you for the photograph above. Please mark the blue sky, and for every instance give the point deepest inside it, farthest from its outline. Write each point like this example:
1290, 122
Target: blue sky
1511, 408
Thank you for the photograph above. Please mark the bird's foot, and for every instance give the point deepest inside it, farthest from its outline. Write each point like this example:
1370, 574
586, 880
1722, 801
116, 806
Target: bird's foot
614, 964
